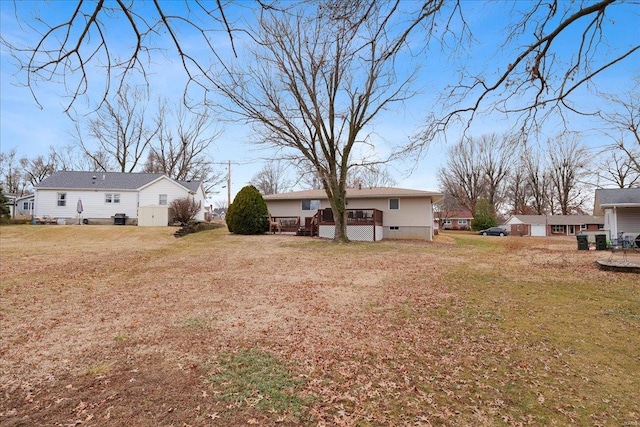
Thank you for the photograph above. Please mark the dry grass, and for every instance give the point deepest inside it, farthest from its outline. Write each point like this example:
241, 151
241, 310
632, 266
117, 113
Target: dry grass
111, 326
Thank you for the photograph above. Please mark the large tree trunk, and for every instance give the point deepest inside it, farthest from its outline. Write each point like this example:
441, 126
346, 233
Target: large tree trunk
339, 209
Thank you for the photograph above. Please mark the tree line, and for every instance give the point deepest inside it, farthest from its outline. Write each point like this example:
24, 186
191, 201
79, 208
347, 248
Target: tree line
125, 135
514, 176
315, 75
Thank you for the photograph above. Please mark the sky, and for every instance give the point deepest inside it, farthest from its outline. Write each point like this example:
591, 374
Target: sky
31, 129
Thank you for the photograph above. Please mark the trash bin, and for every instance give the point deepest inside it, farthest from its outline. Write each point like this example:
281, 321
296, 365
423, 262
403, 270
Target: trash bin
583, 243
119, 219
601, 242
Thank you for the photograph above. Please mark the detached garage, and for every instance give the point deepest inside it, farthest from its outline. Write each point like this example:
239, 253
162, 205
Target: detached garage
153, 216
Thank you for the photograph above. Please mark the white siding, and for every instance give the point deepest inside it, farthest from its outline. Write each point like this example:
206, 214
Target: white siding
150, 195
93, 203
629, 221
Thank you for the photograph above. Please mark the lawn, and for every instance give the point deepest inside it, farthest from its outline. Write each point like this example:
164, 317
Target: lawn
114, 326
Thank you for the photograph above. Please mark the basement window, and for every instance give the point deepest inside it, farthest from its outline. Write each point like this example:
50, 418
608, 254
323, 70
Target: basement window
394, 227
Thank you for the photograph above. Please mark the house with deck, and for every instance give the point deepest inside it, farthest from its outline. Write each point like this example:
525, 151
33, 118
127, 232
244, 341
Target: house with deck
621, 210
373, 214
112, 197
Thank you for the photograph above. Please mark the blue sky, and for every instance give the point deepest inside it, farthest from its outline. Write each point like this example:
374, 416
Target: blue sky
31, 130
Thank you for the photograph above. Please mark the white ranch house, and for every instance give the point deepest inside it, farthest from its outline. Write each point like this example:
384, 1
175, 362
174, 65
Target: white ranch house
112, 197
373, 214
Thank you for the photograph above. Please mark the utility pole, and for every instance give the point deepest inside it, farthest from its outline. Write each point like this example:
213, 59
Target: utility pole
229, 184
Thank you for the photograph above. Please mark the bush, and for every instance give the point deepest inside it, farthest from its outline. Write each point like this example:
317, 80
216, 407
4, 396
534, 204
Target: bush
483, 217
248, 212
184, 209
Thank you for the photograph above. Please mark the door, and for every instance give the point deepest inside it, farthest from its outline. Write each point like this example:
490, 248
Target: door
538, 230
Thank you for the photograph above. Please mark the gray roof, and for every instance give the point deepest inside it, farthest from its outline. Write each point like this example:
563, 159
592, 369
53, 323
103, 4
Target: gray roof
355, 193
559, 219
81, 180
620, 197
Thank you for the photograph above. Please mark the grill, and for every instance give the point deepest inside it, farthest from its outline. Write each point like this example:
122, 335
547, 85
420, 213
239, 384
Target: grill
119, 219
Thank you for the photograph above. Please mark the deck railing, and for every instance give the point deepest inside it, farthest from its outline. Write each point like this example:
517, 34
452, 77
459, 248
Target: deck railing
288, 223
354, 217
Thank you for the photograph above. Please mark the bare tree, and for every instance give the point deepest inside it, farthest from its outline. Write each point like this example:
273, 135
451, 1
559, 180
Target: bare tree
539, 79
319, 75
496, 156
13, 177
463, 176
37, 169
372, 176
624, 127
517, 191
618, 169
120, 131
68, 47
69, 158
568, 163
272, 179
182, 153
538, 181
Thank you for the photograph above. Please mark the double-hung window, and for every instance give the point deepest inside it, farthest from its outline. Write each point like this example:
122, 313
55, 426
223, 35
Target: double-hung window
111, 198
162, 200
394, 204
62, 199
310, 205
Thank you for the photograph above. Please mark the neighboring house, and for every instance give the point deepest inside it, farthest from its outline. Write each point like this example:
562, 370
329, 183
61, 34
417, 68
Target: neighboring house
20, 207
113, 197
373, 214
621, 210
24, 206
554, 225
455, 220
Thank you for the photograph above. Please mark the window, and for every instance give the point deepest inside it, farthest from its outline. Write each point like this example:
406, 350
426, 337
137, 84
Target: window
394, 204
557, 228
310, 205
27, 206
62, 199
111, 198
600, 226
462, 222
583, 227
394, 227
447, 221
162, 200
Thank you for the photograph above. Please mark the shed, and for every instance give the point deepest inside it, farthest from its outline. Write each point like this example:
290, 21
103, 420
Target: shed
153, 216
